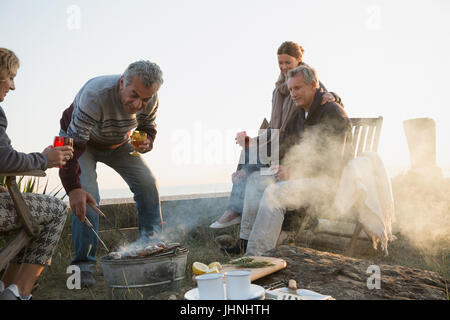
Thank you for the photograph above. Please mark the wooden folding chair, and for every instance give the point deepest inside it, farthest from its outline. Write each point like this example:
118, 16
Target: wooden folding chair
365, 137
30, 229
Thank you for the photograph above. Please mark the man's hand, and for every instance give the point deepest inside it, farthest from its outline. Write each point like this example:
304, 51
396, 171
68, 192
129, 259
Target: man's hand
238, 176
282, 174
57, 157
3, 189
146, 146
78, 199
327, 97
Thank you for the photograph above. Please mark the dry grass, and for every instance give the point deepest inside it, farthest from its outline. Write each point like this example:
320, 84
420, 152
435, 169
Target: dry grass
52, 284
202, 247
431, 253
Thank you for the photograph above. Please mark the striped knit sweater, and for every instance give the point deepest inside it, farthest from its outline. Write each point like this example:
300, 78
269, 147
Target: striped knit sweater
97, 118
14, 161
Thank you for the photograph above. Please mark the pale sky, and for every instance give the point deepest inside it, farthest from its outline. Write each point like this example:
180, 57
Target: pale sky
387, 58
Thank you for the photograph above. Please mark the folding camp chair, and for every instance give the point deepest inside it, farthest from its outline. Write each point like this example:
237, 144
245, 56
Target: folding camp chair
365, 137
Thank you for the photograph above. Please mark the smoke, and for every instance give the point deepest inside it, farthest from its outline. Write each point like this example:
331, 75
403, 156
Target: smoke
422, 205
421, 195
421, 200
144, 241
314, 165
319, 153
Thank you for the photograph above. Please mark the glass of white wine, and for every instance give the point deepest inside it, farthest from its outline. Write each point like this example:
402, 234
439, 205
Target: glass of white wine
137, 139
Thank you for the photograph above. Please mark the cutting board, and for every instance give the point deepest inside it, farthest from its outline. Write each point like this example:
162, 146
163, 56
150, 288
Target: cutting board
257, 273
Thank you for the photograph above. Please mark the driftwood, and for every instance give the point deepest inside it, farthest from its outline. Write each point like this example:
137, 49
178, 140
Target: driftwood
421, 137
347, 278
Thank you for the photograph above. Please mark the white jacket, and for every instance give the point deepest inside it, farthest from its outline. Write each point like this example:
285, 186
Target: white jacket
365, 184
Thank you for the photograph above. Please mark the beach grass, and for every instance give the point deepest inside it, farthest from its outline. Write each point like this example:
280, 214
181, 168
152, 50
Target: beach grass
202, 245
203, 248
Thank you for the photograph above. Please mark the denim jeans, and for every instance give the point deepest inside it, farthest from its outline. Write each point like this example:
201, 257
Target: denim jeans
141, 182
236, 201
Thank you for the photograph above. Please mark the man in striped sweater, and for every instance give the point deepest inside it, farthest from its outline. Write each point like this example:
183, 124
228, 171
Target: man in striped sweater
100, 120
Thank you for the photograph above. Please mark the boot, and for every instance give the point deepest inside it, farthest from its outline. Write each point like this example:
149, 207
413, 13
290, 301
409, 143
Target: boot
239, 248
87, 279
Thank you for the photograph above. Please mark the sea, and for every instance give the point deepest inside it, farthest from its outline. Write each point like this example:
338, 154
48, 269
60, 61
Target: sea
213, 188
170, 190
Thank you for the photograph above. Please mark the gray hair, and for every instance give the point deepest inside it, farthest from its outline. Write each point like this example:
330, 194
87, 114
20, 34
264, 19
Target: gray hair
148, 71
309, 74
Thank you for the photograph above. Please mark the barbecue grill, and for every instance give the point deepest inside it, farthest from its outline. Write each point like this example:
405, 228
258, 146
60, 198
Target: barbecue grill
132, 276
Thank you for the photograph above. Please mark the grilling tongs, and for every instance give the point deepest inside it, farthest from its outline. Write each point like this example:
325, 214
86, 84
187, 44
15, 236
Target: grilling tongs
89, 224
109, 221
96, 234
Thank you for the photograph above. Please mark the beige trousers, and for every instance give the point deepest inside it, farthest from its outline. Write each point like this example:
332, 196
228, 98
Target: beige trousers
263, 216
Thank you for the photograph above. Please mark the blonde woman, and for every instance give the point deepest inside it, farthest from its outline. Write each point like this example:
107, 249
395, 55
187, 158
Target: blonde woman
289, 56
49, 212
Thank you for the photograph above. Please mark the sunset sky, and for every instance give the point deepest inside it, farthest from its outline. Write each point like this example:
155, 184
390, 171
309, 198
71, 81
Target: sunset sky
388, 58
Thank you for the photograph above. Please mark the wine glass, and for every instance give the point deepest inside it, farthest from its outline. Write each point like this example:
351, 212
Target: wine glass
62, 141
137, 138
58, 142
68, 141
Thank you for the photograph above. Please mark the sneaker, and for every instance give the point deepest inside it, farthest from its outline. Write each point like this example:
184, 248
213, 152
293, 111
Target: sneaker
87, 279
12, 293
8, 295
218, 225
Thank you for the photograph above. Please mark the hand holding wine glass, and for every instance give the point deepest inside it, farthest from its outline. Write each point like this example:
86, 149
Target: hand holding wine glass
63, 151
58, 157
139, 142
